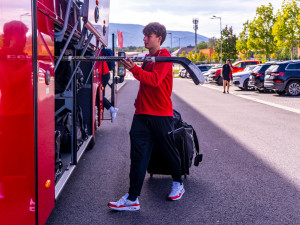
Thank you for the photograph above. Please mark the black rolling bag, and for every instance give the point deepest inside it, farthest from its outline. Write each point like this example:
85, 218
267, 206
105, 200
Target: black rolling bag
186, 142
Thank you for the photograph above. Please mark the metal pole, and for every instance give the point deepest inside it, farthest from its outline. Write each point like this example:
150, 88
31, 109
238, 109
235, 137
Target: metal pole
195, 22
171, 39
221, 40
217, 17
112, 101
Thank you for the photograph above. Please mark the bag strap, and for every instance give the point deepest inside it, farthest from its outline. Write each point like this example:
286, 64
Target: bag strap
195, 140
144, 65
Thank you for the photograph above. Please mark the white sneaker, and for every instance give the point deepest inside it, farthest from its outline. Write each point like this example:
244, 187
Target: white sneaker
113, 114
177, 191
124, 204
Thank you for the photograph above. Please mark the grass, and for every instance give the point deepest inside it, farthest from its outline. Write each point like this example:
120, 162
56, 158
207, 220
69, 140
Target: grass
176, 71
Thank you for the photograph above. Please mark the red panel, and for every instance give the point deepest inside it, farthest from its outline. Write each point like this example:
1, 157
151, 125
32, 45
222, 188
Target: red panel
46, 147
17, 181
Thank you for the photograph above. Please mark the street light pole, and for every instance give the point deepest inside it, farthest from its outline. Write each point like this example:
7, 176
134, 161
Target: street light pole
195, 22
171, 40
178, 39
217, 17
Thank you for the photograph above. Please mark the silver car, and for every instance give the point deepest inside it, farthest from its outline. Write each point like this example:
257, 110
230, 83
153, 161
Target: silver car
240, 79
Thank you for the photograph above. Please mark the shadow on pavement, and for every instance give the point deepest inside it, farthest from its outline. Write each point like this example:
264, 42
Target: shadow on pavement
230, 186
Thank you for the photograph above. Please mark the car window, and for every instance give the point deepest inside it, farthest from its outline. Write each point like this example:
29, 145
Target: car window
272, 68
293, 66
251, 63
264, 68
256, 69
240, 65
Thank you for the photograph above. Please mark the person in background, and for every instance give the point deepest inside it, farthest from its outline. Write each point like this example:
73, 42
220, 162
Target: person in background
226, 75
103, 70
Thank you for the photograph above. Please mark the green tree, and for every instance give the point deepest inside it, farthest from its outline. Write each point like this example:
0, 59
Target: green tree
261, 37
208, 59
183, 54
228, 44
191, 56
211, 44
241, 43
287, 26
201, 57
202, 45
215, 57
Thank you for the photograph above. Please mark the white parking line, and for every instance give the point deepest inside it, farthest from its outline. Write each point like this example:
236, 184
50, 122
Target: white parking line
258, 100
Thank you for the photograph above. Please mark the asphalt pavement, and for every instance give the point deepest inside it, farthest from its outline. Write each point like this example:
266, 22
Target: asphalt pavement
249, 174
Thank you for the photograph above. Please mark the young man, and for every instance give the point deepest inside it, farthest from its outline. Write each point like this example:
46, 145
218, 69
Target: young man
153, 120
226, 75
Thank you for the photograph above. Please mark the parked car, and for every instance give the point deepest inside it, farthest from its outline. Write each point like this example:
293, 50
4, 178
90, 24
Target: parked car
205, 75
257, 76
215, 75
284, 77
203, 69
240, 79
182, 73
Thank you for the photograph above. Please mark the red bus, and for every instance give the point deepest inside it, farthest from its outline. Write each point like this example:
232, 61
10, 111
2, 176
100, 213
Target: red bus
49, 109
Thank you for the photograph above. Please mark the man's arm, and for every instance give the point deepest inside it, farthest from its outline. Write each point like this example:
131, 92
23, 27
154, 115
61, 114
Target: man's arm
153, 78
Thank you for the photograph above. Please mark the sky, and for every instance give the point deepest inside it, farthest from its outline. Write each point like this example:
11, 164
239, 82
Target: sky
178, 15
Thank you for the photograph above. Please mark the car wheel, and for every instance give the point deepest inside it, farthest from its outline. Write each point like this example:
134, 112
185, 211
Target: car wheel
293, 88
220, 81
245, 85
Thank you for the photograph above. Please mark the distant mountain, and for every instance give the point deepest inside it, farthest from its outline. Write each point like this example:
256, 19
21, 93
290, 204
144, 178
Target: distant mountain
133, 36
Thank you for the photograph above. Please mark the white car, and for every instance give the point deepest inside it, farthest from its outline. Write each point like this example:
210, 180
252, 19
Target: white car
240, 79
206, 74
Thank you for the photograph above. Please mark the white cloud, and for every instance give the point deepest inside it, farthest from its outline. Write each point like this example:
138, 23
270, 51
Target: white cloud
178, 14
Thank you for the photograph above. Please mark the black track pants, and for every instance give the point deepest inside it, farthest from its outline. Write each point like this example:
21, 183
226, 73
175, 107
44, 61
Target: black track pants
145, 131
105, 79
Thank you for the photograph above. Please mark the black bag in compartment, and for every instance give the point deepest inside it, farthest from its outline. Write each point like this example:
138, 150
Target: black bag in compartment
186, 142
82, 133
63, 76
63, 125
58, 161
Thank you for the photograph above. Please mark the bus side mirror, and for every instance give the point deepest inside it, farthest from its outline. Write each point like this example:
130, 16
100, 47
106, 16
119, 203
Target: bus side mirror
121, 68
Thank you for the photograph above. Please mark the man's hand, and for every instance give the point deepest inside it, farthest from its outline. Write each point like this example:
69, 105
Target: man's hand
128, 63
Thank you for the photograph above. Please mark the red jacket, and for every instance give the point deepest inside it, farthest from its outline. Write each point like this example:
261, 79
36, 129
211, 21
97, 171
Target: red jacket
102, 67
156, 82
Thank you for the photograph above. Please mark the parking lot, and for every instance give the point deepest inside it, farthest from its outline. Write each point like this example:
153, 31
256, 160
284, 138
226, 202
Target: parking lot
291, 103
249, 173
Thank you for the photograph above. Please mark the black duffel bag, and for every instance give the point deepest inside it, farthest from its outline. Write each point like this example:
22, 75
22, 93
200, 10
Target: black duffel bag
186, 143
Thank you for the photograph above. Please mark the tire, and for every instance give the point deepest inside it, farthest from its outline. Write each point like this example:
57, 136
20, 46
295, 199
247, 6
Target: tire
293, 88
245, 85
220, 81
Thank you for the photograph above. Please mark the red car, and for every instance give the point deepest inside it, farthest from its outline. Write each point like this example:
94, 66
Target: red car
215, 74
